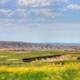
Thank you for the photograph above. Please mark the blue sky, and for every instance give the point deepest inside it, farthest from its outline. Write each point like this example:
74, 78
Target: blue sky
40, 20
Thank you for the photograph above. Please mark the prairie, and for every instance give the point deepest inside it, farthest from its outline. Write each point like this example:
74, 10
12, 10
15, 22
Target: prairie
13, 68
44, 72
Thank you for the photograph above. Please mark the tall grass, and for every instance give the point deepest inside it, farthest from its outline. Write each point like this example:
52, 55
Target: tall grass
15, 69
69, 71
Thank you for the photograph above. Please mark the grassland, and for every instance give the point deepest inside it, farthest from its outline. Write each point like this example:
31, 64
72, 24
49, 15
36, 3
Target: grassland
44, 72
15, 57
12, 67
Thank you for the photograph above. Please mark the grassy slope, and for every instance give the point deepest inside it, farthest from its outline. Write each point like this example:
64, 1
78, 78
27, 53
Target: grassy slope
14, 58
37, 70
11, 56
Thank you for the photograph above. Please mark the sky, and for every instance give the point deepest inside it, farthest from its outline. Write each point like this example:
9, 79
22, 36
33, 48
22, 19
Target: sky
39, 21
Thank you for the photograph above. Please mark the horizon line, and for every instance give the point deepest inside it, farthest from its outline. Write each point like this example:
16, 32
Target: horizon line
40, 42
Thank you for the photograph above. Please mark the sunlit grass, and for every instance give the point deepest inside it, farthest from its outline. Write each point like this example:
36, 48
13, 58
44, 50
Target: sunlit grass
12, 67
47, 67
69, 71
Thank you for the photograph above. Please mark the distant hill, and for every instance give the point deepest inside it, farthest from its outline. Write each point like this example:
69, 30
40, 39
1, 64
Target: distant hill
10, 45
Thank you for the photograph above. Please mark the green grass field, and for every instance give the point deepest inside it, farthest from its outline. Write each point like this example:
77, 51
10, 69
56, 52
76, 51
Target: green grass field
44, 72
15, 57
64, 75
12, 67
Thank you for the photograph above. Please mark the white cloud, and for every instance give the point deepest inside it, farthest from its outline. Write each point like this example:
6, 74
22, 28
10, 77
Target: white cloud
35, 3
4, 12
41, 10
42, 3
74, 6
49, 14
18, 13
24, 13
46, 12
13, 13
